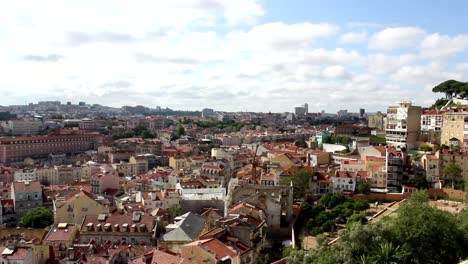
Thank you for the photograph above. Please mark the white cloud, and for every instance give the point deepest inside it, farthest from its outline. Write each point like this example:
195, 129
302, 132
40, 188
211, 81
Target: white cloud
431, 74
191, 54
280, 35
396, 38
335, 72
354, 37
384, 64
443, 46
462, 67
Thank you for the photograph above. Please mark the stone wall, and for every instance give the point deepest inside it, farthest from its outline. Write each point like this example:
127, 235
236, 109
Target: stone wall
448, 193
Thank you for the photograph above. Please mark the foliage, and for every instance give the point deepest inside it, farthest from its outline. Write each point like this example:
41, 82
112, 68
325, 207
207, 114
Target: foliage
37, 218
361, 205
6, 116
357, 218
453, 170
301, 144
180, 131
56, 116
342, 140
139, 131
455, 148
300, 181
363, 187
174, 211
439, 103
443, 146
418, 234
452, 88
330, 210
376, 140
226, 125
425, 147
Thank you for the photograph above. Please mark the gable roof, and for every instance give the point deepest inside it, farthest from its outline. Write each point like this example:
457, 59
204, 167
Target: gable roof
22, 187
186, 229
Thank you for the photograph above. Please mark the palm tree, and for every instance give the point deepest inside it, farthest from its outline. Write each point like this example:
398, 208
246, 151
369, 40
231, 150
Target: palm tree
387, 253
365, 259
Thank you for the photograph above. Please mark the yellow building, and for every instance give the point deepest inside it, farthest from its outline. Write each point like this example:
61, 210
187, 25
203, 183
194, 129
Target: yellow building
430, 163
74, 209
179, 163
60, 238
376, 121
459, 158
454, 125
284, 161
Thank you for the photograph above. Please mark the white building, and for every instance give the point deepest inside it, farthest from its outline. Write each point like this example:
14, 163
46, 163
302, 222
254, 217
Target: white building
403, 125
25, 175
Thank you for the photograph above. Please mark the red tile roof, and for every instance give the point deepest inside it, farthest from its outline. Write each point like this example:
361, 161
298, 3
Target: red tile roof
61, 234
158, 256
20, 253
21, 187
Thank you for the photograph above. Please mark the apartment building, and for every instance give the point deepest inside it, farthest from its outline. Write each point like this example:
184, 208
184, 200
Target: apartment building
16, 149
403, 125
431, 125
465, 136
454, 125
376, 121
26, 196
22, 127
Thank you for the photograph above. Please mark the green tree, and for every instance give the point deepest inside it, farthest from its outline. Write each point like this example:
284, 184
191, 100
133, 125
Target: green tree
443, 146
363, 187
357, 218
361, 205
425, 147
427, 234
180, 131
300, 181
453, 171
174, 211
147, 134
138, 131
56, 116
301, 144
39, 217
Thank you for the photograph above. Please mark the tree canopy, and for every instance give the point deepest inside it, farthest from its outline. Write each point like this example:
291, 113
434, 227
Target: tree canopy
37, 218
419, 233
301, 183
452, 88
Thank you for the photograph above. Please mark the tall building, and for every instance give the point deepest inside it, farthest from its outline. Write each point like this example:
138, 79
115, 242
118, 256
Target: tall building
301, 110
453, 128
207, 112
465, 136
362, 111
403, 125
431, 125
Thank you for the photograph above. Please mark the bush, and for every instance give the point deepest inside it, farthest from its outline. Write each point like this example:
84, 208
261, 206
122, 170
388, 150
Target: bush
37, 218
361, 205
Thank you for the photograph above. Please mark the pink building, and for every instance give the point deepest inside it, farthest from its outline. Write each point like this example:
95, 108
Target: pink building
104, 181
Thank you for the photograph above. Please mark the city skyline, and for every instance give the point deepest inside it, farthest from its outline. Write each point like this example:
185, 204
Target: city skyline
256, 56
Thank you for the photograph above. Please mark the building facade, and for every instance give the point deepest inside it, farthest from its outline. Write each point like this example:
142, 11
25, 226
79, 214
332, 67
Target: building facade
453, 125
16, 149
403, 125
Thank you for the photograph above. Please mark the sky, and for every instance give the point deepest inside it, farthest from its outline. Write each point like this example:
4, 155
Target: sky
243, 55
